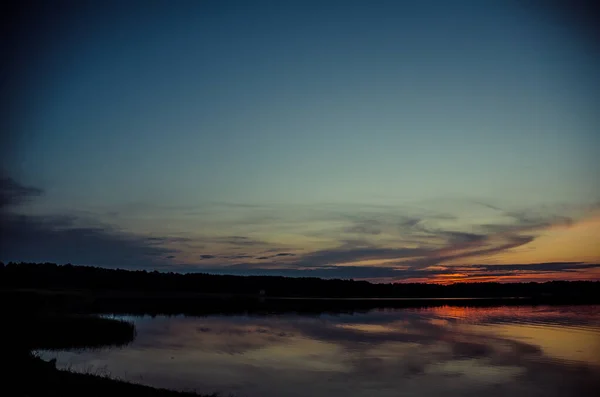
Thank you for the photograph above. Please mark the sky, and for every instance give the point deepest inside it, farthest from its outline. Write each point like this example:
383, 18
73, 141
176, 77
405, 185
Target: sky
390, 141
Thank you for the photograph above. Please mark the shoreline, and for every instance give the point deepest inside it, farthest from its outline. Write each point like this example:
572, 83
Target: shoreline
21, 337
42, 301
50, 381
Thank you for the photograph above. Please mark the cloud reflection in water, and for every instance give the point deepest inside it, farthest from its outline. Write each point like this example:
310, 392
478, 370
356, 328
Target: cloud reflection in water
522, 351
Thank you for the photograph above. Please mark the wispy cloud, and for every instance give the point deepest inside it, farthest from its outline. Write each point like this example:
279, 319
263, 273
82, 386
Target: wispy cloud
13, 193
242, 256
456, 245
372, 227
376, 243
406, 273
342, 255
423, 241
66, 238
235, 240
55, 239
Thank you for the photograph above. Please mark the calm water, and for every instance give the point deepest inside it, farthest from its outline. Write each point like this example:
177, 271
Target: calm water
442, 351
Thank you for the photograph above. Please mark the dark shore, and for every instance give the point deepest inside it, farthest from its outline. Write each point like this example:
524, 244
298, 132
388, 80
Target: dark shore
53, 382
129, 282
28, 375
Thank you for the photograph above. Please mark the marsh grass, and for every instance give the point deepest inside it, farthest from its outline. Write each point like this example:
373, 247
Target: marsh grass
94, 382
23, 338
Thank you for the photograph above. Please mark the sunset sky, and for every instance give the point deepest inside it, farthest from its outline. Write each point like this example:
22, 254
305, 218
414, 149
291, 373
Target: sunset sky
390, 141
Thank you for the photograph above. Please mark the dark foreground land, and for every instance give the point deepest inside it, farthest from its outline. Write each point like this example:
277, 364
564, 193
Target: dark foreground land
65, 383
46, 306
28, 375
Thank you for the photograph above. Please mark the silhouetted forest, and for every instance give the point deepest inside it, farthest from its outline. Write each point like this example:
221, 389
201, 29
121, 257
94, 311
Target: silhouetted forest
85, 278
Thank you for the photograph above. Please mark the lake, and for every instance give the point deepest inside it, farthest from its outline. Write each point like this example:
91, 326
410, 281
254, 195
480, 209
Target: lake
437, 351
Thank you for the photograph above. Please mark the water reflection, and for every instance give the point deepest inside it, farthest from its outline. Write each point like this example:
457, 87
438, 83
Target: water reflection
522, 351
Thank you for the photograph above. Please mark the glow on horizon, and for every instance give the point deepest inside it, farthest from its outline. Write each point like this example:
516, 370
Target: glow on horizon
578, 242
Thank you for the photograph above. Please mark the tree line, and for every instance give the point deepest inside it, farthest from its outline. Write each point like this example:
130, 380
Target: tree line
72, 277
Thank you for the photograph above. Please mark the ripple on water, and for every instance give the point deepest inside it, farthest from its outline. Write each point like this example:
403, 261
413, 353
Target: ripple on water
442, 351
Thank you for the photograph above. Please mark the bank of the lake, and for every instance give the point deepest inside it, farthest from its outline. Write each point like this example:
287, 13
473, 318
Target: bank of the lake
39, 378
28, 375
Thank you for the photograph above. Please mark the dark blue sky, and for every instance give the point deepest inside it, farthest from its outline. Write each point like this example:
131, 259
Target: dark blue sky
287, 123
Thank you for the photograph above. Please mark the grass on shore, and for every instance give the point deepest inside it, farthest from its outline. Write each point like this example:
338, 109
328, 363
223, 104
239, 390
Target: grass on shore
42, 379
29, 375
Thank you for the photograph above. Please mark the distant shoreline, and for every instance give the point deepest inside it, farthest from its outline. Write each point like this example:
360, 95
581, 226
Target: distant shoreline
38, 288
139, 303
49, 276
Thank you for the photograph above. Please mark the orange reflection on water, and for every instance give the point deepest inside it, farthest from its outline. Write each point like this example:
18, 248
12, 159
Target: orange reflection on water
466, 313
437, 351
564, 343
554, 329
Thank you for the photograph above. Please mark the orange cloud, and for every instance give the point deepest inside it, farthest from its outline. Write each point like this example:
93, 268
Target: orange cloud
578, 242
